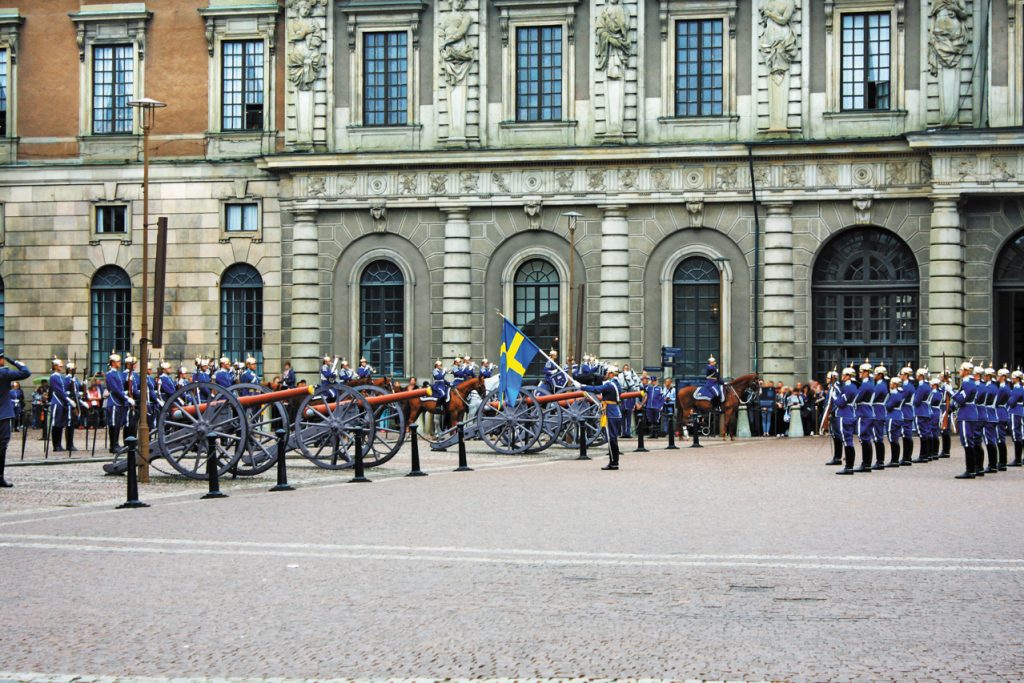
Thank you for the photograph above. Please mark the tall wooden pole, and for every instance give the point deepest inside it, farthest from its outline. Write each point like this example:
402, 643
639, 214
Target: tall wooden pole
147, 116
572, 290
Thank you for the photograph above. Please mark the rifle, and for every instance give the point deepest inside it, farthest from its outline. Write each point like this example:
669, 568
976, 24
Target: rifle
827, 417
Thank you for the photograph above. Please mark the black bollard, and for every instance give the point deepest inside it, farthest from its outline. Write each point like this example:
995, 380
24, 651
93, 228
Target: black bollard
133, 478
583, 447
415, 471
640, 429
282, 468
212, 469
671, 438
360, 475
696, 435
463, 465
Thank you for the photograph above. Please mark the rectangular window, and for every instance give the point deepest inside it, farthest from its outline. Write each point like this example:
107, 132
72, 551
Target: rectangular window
866, 61
242, 85
700, 67
385, 78
112, 220
3, 92
113, 75
539, 73
241, 217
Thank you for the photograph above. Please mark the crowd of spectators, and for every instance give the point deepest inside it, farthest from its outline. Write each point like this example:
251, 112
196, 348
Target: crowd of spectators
778, 405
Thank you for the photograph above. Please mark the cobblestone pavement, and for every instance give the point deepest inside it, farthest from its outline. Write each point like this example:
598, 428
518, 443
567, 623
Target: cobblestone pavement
742, 561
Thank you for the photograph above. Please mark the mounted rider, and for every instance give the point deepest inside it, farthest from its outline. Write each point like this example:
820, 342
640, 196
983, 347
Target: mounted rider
441, 386
486, 369
458, 371
365, 370
712, 389
345, 374
555, 377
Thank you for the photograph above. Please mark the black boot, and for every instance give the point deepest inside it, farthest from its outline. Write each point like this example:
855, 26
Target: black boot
894, 461
908, 452
879, 447
837, 453
851, 455
923, 455
1001, 448
3, 463
979, 461
1018, 451
69, 439
112, 433
946, 442
55, 433
969, 468
865, 451
935, 447
993, 459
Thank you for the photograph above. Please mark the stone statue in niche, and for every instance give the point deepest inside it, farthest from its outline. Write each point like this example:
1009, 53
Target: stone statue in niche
457, 55
305, 59
612, 34
778, 46
947, 41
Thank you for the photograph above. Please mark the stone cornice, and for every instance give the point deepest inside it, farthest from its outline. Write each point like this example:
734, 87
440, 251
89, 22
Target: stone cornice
967, 138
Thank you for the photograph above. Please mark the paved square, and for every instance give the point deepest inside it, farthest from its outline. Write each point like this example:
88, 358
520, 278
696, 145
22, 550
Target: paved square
744, 561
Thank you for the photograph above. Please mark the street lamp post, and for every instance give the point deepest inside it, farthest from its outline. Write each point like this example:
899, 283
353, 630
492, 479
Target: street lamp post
573, 216
147, 110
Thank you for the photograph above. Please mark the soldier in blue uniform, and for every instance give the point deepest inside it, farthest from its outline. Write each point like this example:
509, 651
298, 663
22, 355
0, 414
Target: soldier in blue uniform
946, 420
1015, 407
935, 397
364, 371
224, 376
469, 367
288, 378
1002, 415
440, 386
844, 398
118, 402
133, 388
73, 389
153, 401
880, 415
166, 383
712, 388
923, 415
8, 376
248, 375
486, 369
829, 413
966, 418
991, 428
612, 415
907, 387
866, 415
202, 374
893, 407
653, 403
60, 404
345, 373
458, 371
555, 378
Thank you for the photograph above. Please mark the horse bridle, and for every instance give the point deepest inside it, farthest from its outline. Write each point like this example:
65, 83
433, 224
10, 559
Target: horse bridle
753, 391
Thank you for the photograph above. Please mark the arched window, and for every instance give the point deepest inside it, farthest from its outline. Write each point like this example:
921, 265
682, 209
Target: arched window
382, 318
696, 315
536, 303
111, 316
866, 296
241, 314
1008, 283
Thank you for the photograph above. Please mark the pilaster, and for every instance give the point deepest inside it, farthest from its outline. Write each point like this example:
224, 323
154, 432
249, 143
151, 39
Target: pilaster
779, 322
614, 332
945, 281
457, 304
305, 328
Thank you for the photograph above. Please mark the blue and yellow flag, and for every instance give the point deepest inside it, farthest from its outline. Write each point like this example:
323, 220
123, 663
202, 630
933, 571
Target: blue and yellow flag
517, 352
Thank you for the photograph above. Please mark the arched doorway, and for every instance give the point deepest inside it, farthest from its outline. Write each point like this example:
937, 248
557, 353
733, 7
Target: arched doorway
696, 315
382, 317
536, 305
1008, 286
866, 296
241, 314
110, 324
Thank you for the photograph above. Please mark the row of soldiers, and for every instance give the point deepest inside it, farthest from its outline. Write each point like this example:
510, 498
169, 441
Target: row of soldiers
123, 392
988, 408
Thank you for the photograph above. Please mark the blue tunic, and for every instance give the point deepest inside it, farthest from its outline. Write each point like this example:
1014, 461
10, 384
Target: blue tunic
711, 377
609, 396
364, 372
18, 373
288, 378
224, 377
440, 386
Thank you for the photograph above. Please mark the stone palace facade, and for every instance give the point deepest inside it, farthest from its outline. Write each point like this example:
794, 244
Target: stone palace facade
787, 184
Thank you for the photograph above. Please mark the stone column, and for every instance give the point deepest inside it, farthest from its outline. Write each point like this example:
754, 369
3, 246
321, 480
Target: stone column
946, 283
456, 306
778, 317
614, 326
305, 329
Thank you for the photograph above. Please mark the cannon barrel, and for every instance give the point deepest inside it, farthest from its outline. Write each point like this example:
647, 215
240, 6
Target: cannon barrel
374, 400
254, 400
566, 396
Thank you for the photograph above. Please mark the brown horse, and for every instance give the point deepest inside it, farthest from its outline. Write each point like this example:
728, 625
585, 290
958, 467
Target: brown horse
382, 382
458, 401
686, 405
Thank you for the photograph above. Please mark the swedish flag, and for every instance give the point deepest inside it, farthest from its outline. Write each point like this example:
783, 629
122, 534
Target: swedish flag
517, 352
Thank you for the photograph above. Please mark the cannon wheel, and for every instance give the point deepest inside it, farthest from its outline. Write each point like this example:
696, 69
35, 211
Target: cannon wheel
509, 429
580, 416
183, 437
325, 426
261, 443
552, 422
389, 428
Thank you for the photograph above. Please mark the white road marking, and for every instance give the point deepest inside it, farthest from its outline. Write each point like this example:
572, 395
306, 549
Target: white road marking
35, 677
123, 545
